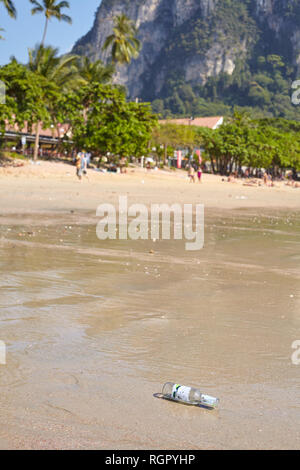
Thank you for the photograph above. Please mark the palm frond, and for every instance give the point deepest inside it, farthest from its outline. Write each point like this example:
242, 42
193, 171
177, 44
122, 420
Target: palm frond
50, 9
10, 7
123, 41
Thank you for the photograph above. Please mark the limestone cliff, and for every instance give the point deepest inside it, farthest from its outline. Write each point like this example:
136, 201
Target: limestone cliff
192, 40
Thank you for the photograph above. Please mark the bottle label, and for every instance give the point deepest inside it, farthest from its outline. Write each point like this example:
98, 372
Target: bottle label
181, 393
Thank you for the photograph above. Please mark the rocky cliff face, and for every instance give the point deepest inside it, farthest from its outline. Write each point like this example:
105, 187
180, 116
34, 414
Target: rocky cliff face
192, 40
282, 17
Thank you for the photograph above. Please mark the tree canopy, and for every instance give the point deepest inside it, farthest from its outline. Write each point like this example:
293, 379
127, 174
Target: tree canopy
240, 141
52, 90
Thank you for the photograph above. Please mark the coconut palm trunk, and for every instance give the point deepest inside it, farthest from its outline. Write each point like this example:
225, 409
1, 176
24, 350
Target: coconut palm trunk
45, 32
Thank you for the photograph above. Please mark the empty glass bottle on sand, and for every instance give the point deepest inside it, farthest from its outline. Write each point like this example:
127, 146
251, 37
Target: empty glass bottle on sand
189, 395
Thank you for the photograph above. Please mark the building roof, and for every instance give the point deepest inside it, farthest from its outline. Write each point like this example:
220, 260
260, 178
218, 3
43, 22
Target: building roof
211, 122
62, 129
51, 135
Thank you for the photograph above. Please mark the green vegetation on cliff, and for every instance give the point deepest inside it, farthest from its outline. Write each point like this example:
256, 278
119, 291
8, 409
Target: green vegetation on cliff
262, 77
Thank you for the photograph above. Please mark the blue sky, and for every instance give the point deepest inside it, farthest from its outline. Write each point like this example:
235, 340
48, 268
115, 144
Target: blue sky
27, 30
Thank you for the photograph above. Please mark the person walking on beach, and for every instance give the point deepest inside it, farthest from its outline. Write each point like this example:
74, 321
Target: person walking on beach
78, 164
199, 174
191, 174
84, 162
269, 180
123, 165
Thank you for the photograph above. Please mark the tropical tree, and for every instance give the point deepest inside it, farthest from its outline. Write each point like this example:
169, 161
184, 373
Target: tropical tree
123, 41
59, 72
50, 9
94, 72
173, 135
10, 7
26, 98
111, 123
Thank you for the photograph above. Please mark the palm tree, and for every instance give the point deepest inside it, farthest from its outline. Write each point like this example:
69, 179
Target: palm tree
94, 72
60, 71
123, 42
51, 9
1, 30
10, 7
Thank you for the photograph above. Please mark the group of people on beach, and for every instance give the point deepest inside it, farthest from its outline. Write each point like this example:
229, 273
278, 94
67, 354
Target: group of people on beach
82, 160
263, 179
192, 173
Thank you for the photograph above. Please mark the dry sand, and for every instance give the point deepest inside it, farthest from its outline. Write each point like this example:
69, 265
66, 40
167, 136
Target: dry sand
54, 186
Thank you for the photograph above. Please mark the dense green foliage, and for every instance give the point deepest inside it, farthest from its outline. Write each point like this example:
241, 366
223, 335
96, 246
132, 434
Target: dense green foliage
110, 123
259, 143
51, 90
240, 141
28, 95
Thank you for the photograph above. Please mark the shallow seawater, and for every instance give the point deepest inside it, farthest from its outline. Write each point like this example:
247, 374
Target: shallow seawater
93, 330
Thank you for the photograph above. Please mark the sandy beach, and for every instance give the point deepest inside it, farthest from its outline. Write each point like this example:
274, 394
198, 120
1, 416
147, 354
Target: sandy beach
94, 328
51, 186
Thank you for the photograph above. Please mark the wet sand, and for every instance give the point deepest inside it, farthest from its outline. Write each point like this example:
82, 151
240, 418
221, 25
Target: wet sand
95, 328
